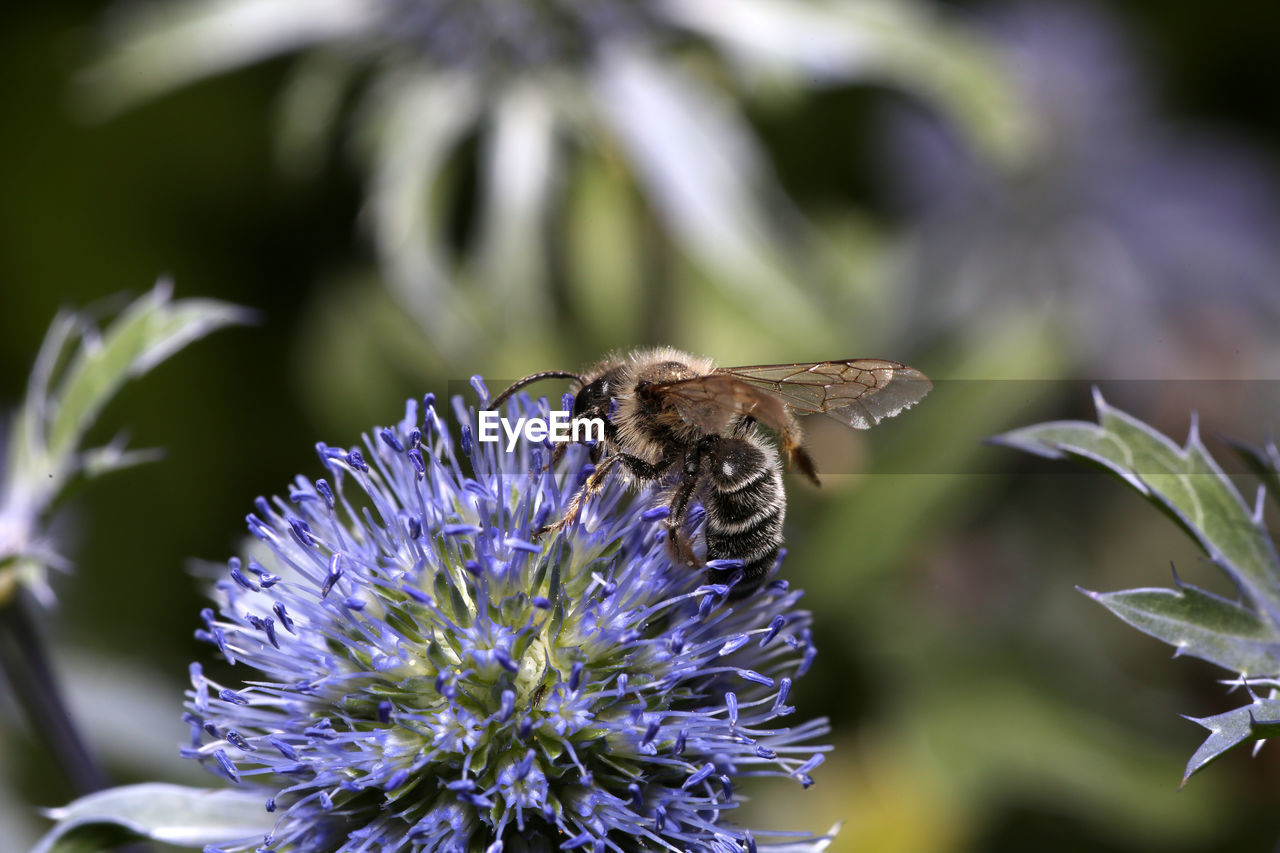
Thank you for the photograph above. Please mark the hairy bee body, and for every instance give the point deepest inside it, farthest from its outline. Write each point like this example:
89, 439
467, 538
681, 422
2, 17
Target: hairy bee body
745, 506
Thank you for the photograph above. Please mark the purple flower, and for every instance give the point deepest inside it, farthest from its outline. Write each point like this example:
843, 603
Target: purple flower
426, 675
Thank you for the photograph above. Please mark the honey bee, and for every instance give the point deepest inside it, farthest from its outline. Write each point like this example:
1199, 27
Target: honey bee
678, 421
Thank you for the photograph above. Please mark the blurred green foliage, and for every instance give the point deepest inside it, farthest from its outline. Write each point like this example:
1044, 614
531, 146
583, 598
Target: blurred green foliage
979, 704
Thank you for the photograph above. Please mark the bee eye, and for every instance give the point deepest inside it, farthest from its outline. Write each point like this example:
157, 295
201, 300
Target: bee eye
591, 398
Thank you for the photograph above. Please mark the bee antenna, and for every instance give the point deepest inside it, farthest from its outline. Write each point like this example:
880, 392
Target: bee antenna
529, 380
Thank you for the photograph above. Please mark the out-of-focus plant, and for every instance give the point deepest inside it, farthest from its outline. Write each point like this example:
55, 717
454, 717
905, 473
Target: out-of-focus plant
1189, 486
1129, 237
427, 677
649, 89
77, 372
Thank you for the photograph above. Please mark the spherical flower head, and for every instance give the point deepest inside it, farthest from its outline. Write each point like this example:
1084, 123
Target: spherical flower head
432, 675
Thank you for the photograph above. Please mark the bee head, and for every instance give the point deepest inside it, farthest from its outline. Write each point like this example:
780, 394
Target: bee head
594, 400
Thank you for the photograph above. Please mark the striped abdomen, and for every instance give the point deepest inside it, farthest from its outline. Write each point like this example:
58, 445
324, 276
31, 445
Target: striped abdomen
745, 506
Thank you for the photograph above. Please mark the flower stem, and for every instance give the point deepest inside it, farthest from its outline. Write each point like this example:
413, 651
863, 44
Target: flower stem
24, 661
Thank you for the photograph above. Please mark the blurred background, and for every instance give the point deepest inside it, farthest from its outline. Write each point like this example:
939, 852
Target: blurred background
1020, 199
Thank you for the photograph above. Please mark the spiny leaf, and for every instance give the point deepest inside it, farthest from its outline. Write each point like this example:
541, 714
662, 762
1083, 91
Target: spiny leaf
1185, 483
189, 817
1262, 461
77, 372
1200, 624
1252, 722
145, 334
69, 387
114, 457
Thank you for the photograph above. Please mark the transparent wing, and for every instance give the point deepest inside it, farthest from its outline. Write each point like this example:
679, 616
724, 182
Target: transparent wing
715, 401
857, 392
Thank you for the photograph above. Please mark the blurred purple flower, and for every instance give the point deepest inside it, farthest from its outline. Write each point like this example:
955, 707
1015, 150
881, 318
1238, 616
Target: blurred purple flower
1135, 238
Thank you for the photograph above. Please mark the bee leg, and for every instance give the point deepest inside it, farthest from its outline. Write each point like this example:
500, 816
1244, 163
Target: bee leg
678, 543
642, 470
637, 466
679, 548
557, 453
793, 447
802, 460
692, 472
592, 487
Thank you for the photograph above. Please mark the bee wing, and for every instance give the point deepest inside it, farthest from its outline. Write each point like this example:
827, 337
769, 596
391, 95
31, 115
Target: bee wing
714, 401
857, 392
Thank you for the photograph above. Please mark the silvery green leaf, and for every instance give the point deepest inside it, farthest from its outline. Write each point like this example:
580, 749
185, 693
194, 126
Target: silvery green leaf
173, 814
164, 46
77, 372
1200, 624
114, 457
413, 124
1184, 482
520, 175
894, 41
699, 167
148, 331
1263, 461
1261, 719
